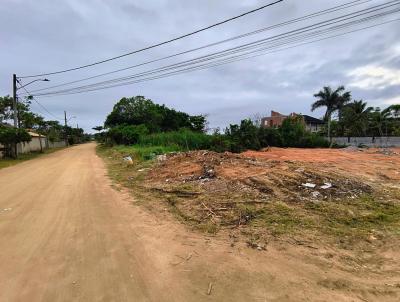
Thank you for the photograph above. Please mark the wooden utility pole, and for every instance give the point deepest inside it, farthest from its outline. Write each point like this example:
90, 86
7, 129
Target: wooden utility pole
65, 128
15, 109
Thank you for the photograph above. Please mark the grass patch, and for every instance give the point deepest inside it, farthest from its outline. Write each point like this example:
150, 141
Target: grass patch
8, 162
183, 139
355, 218
142, 153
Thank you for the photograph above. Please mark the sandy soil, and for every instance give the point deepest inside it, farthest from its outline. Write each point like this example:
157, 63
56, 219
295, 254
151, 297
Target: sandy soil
67, 235
368, 163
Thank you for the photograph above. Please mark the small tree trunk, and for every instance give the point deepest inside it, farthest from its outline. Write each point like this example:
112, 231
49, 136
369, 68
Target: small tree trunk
329, 128
40, 142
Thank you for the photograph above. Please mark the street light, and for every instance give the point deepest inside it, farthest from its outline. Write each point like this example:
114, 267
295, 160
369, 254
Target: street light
42, 80
15, 88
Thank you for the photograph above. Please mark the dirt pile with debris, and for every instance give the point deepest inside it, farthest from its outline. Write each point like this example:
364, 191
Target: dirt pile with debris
230, 190
289, 181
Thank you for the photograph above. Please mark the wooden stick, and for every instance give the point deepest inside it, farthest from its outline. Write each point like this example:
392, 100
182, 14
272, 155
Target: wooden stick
210, 285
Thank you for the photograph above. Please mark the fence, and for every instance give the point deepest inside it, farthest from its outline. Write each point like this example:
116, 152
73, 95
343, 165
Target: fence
384, 141
36, 145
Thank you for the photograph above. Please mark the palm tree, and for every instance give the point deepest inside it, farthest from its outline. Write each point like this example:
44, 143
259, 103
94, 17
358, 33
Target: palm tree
379, 119
333, 100
357, 116
393, 110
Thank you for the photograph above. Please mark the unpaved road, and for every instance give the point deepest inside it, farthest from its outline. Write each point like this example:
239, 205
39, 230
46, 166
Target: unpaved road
67, 235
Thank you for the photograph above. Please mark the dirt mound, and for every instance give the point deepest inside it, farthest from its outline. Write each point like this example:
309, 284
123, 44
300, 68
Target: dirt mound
225, 189
229, 172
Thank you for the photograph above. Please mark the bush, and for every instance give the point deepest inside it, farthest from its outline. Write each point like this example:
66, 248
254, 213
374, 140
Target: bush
292, 131
270, 137
126, 134
244, 136
312, 140
185, 139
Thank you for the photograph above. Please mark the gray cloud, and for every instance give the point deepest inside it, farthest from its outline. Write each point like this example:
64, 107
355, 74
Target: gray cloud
46, 35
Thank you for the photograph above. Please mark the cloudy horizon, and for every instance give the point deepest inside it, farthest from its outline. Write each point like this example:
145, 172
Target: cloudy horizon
45, 36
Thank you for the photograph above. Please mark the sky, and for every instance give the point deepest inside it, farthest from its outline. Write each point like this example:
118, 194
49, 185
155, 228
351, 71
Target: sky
40, 36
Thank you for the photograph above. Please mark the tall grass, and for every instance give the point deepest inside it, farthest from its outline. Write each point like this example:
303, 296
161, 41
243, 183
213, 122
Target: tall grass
183, 139
144, 152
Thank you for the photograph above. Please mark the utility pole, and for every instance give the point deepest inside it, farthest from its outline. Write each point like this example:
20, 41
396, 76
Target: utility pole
65, 130
15, 109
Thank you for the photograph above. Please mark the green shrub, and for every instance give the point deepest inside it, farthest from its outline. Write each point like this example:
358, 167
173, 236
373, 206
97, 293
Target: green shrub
270, 137
184, 139
312, 140
292, 131
243, 137
126, 134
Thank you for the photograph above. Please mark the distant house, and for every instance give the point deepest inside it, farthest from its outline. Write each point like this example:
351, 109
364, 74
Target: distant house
276, 119
313, 124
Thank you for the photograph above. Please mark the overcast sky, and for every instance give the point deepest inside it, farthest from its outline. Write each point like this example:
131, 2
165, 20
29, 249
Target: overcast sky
47, 35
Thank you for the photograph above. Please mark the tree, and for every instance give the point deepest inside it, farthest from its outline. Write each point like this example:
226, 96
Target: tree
378, 121
243, 136
6, 111
141, 111
126, 134
98, 128
10, 137
356, 116
393, 110
292, 130
333, 100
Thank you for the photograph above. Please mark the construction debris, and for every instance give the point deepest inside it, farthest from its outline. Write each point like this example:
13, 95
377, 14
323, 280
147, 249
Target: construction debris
210, 285
309, 185
326, 185
128, 160
231, 190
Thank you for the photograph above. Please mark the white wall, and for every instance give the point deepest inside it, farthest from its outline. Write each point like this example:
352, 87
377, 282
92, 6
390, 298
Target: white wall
34, 145
391, 141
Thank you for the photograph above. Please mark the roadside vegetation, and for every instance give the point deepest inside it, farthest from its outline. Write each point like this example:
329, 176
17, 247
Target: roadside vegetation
140, 122
355, 117
30, 121
215, 189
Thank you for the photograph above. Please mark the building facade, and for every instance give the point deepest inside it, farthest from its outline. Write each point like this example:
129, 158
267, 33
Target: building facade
276, 119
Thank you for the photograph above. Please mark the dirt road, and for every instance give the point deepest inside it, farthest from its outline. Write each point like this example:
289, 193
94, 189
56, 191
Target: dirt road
67, 235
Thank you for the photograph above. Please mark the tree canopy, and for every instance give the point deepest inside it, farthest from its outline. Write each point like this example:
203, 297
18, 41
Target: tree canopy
138, 110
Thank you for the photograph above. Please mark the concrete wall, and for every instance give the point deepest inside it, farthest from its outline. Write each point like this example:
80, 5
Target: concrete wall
34, 145
393, 141
58, 144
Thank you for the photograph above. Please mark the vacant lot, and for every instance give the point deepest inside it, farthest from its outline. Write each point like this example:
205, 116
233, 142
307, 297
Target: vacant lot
329, 207
347, 196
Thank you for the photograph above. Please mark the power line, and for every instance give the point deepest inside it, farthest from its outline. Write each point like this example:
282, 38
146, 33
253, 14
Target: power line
309, 16
213, 55
158, 44
44, 108
247, 46
226, 61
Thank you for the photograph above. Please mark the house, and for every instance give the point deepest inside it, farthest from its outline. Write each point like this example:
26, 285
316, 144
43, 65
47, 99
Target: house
313, 124
276, 119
